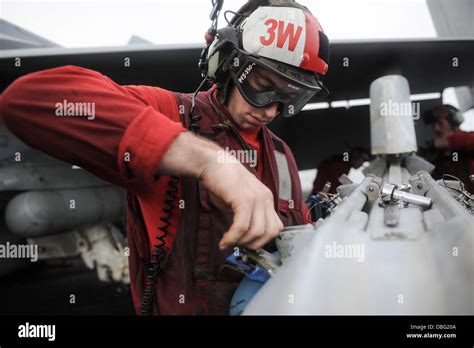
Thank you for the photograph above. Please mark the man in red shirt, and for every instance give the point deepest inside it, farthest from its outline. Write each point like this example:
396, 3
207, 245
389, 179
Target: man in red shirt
188, 205
455, 148
332, 168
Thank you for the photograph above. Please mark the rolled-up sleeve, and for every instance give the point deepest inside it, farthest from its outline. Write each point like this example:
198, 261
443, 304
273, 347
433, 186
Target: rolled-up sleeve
119, 133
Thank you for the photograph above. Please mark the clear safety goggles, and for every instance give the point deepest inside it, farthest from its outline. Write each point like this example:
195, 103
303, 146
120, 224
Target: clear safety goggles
263, 82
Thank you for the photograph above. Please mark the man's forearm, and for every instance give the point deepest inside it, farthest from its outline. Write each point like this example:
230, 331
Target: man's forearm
189, 155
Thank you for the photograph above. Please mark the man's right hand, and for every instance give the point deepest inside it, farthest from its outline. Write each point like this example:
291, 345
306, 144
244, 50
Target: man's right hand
255, 221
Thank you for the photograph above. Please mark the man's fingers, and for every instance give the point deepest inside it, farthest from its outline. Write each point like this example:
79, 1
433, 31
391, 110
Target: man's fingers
257, 226
273, 229
249, 201
255, 222
240, 225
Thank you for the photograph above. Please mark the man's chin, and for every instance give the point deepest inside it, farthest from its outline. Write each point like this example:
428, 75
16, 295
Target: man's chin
250, 127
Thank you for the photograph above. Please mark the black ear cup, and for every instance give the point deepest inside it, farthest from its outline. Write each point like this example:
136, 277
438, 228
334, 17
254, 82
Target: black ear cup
455, 116
225, 40
203, 63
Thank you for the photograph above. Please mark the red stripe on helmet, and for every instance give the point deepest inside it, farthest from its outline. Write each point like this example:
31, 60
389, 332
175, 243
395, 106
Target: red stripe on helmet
311, 60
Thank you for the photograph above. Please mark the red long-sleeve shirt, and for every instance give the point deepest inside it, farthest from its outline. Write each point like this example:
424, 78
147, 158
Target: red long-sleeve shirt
134, 119
123, 144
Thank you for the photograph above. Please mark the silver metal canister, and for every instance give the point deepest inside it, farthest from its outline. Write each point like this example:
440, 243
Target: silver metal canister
391, 116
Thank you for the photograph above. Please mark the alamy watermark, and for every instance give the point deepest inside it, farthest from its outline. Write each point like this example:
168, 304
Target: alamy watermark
75, 109
19, 251
391, 108
345, 251
28, 330
233, 156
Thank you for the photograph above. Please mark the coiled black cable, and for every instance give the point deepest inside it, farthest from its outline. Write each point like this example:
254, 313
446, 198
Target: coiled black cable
158, 253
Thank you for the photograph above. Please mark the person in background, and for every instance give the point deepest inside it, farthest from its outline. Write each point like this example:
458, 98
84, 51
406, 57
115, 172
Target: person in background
452, 151
333, 167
